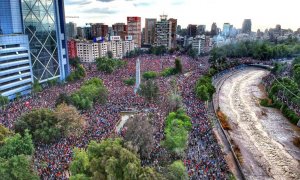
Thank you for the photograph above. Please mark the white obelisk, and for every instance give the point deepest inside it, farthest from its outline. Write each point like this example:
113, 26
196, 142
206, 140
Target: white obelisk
137, 75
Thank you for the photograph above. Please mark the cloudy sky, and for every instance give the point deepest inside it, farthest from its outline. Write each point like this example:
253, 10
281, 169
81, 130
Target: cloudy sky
264, 13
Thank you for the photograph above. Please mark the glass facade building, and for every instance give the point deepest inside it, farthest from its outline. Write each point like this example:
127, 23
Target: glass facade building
44, 24
15, 64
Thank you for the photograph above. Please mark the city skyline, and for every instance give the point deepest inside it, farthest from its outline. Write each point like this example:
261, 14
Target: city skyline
263, 14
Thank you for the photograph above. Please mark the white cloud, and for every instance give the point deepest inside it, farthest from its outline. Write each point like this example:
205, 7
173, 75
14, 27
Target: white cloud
264, 13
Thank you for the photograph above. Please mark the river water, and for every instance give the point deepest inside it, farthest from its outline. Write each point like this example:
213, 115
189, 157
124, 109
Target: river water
263, 135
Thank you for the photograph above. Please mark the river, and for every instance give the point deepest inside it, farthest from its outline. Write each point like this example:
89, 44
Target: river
263, 135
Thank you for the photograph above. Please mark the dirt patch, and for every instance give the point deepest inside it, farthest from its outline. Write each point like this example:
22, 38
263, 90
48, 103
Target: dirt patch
296, 142
223, 120
237, 151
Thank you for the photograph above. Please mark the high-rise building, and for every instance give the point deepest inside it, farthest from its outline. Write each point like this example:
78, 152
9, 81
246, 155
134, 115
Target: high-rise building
198, 44
127, 47
201, 29
135, 30
87, 32
71, 30
103, 49
192, 30
173, 32
80, 33
72, 49
163, 31
120, 29
150, 31
99, 30
214, 29
116, 47
87, 51
226, 29
44, 24
247, 26
15, 65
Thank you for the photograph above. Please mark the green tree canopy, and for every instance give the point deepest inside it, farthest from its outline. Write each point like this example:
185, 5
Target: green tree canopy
177, 126
108, 160
149, 90
17, 145
149, 75
47, 126
17, 167
177, 171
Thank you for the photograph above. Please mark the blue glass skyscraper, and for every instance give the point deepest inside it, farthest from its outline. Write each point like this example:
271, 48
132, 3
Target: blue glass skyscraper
44, 24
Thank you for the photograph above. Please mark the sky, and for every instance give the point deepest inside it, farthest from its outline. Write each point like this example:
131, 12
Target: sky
263, 13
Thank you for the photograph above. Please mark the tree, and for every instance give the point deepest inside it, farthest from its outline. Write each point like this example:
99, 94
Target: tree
192, 53
80, 163
108, 65
296, 61
178, 65
91, 91
3, 100
296, 73
17, 167
63, 98
129, 81
177, 171
41, 125
109, 54
202, 93
108, 160
4, 132
69, 121
17, 145
74, 61
149, 90
139, 134
149, 75
176, 132
174, 101
36, 87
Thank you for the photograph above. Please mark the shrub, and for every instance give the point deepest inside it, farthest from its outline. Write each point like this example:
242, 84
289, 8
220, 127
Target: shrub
129, 82
3, 100
168, 72
149, 75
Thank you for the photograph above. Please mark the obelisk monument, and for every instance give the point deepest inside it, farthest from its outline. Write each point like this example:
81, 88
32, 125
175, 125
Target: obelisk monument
137, 76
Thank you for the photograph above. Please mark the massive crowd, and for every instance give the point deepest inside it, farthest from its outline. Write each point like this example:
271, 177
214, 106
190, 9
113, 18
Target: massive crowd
204, 159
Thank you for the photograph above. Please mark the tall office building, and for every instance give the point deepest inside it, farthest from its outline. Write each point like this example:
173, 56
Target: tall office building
87, 31
226, 29
99, 30
192, 30
135, 30
44, 23
15, 65
120, 29
80, 32
71, 30
149, 31
201, 29
163, 32
173, 32
214, 29
247, 24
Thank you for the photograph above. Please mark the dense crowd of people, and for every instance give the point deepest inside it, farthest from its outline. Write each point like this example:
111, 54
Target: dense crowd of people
204, 159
